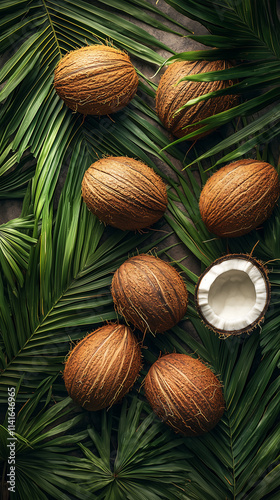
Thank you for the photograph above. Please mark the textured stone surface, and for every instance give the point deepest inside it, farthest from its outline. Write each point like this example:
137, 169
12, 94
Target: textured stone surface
9, 209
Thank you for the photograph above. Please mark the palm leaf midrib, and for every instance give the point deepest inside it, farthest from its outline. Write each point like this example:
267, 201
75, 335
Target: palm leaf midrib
52, 27
71, 284
254, 36
236, 18
232, 455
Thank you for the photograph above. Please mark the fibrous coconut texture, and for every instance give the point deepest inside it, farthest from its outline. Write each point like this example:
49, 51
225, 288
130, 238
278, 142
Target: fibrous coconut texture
96, 80
149, 293
233, 294
185, 394
171, 95
124, 193
103, 367
239, 197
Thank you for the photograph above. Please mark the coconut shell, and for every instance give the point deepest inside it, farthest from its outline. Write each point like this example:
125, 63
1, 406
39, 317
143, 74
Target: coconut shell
199, 305
185, 394
149, 293
239, 197
171, 95
124, 193
96, 80
102, 367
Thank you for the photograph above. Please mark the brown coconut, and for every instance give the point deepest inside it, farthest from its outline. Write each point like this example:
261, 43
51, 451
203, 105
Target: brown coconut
124, 193
239, 197
185, 394
171, 95
102, 367
149, 293
96, 80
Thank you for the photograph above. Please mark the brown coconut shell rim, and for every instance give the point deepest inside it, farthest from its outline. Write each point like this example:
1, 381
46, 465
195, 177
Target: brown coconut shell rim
263, 270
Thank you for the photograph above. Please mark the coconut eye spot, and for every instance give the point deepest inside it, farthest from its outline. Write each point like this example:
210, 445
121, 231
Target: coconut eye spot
232, 294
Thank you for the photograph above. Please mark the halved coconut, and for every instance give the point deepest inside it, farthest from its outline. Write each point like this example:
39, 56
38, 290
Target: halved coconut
233, 293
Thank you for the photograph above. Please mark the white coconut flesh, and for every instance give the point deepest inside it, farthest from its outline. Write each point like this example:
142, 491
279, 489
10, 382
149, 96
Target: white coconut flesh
232, 295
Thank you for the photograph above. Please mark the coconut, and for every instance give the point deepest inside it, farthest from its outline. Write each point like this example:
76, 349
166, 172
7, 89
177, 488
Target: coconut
124, 192
102, 367
171, 96
185, 394
149, 293
232, 295
239, 197
96, 80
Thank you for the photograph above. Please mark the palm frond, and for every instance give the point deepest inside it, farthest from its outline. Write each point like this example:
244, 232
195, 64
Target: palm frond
69, 286
66, 289
14, 176
237, 25
135, 8
239, 453
249, 36
33, 115
15, 247
61, 288
44, 435
143, 452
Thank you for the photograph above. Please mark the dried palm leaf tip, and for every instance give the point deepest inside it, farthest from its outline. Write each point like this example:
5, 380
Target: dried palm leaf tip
171, 96
233, 294
239, 197
102, 367
124, 193
185, 394
149, 293
96, 80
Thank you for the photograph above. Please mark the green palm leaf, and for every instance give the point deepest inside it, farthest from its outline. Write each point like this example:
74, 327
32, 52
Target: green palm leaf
15, 247
190, 229
66, 290
248, 34
44, 435
63, 281
33, 116
145, 452
239, 453
68, 287
14, 175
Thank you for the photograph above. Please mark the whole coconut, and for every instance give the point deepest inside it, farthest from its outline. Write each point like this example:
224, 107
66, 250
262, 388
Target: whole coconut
149, 293
171, 95
124, 192
102, 367
96, 80
185, 394
239, 197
